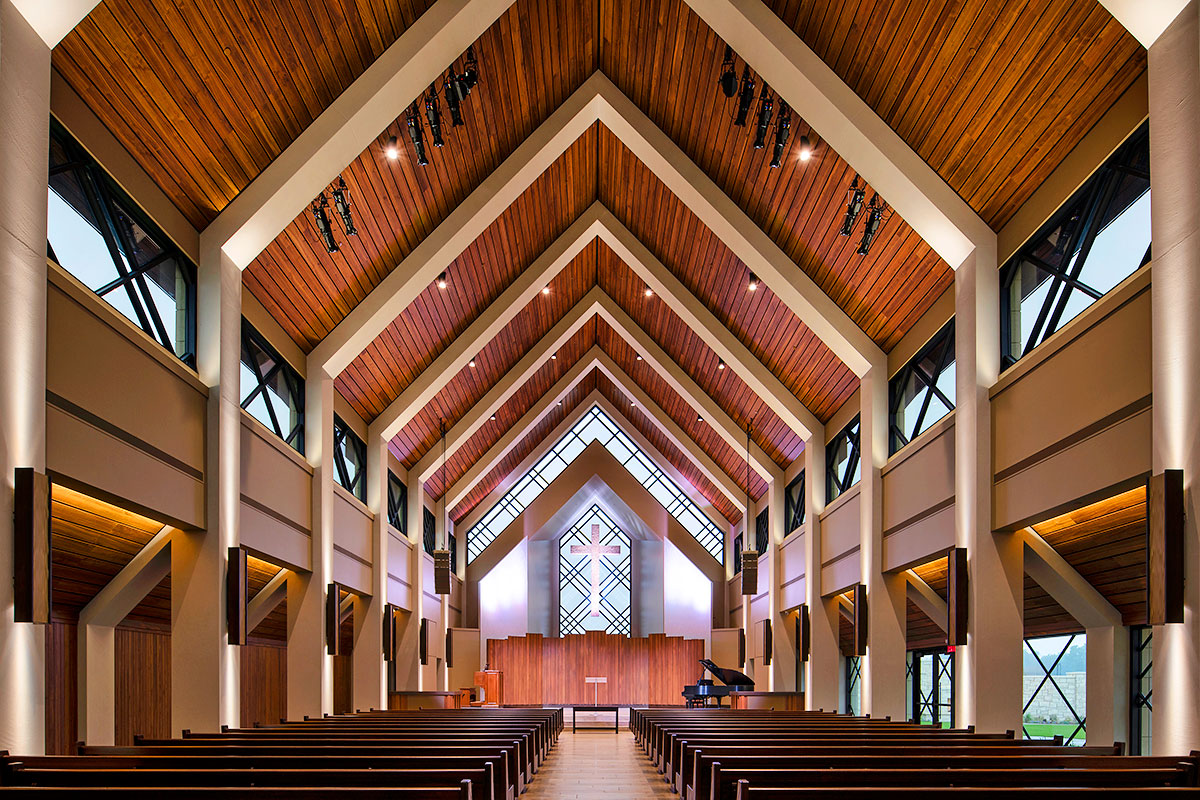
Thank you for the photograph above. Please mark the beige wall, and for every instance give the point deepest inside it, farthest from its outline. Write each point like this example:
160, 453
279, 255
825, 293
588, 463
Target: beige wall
792, 570
840, 541
918, 498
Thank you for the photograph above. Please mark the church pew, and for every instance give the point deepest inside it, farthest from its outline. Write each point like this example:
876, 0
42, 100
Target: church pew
733, 760
748, 791
460, 792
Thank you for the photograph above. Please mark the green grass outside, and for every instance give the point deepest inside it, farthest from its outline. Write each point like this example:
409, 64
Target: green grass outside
1046, 730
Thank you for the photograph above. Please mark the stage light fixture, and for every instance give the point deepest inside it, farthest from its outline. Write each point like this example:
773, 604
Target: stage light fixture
806, 149
453, 99
470, 73
874, 217
855, 194
728, 80
416, 133
321, 218
433, 113
783, 127
752, 283
441, 281
745, 97
343, 207
766, 105
392, 150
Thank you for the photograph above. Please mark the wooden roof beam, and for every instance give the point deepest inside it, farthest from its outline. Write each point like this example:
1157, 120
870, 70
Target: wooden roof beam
926, 599
1063, 582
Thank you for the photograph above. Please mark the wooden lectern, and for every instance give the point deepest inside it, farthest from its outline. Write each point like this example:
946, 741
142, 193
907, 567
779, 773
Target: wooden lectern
489, 688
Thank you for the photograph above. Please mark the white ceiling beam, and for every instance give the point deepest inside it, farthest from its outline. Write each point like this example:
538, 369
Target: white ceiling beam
1063, 582
266, 600
1145, 20
131, 585
486, 327
926, 599
54, 19
849, 126
705, 324
350, 124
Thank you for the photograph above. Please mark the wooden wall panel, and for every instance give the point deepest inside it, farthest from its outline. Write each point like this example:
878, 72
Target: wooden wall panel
143, 683
550, 671
62, 688
343, 687
264, 684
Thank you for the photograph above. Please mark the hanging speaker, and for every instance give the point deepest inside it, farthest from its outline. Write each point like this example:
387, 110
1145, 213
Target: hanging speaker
804, 633
235, 596
860, 620
441, 571
1164, 548
332, 619
389, 632
31, 546
749, 572
956, 585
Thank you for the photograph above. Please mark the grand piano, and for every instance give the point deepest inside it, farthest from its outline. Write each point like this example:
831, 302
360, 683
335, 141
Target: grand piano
699, 694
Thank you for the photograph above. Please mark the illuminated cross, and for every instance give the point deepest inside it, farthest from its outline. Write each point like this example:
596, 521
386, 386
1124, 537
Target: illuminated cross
595, 551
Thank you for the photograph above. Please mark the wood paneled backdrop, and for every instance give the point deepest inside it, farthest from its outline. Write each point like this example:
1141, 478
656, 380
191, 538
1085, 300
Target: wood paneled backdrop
539, 670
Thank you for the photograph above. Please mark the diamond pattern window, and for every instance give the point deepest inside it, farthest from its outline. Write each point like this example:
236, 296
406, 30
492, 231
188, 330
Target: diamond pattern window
793, 505
272, 392
397, 503
922, 392
842, 466
349, 459
594, 577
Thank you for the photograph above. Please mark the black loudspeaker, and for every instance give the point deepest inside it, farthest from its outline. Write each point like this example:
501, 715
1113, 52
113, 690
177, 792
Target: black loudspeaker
423, 642
333, 619
749, 572
803, 633
441, 571
389, 632
956, 586
31, 546
449, 647
860, 620
1164, 548
742, 647
765, 643
235, 596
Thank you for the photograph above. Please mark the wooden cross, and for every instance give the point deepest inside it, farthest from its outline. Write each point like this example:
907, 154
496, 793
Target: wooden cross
595, 551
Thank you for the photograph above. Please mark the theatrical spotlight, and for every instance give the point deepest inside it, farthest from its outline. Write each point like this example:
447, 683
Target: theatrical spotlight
745, 97
470, 73
416, 133
453, 101
765, 105
321, 218
728, 80
783, 126
854, 204
433, 113
343, 207
874, 215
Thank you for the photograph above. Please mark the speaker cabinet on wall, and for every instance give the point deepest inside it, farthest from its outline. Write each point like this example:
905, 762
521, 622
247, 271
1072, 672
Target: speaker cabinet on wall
31, 546
956, 586
449, 647
742, 647
441, 571
235, 596
803, 633
1164, 548
749, 572
423, 642
763, 643
860, 620
332, 619
389, 632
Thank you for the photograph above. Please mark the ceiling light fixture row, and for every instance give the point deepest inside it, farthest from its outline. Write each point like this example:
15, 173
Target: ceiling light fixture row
455, 87
854, 206
320, 213
729, 85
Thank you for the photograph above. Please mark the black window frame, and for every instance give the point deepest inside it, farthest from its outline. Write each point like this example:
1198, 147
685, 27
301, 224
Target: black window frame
835, 487
1080, 217
428, 530
940, 352
737, 553
397, 503
344, 439
762, 533
1141, 700
794, 505
251, 338
105, 198
853, 680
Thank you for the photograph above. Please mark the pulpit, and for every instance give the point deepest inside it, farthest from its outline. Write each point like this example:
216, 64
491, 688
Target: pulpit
489, 688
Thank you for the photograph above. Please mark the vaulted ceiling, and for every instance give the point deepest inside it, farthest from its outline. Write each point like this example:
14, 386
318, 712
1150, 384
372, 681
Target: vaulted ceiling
990, 94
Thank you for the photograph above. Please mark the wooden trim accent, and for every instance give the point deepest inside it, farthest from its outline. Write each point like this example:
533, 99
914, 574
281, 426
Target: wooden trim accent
31, 546
1086, 432
270, 512
915, 518
63, 404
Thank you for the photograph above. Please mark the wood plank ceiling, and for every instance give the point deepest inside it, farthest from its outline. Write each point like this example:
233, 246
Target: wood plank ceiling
204, 107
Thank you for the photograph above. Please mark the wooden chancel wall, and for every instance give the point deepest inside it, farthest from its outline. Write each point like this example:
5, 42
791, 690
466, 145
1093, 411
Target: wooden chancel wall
542, 671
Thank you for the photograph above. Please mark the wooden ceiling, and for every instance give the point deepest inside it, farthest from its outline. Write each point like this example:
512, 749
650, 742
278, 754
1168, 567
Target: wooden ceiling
204, 95
258, 574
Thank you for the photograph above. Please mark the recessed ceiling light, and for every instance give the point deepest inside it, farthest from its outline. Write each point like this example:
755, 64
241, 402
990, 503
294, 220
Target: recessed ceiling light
545, 290
639, 357
392, 151
752, 284
649, 292
471, 363
554, 357
441, 281
720, 363
493, 417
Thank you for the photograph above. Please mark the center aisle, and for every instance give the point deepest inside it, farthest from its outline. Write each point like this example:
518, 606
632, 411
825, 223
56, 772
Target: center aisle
596, 764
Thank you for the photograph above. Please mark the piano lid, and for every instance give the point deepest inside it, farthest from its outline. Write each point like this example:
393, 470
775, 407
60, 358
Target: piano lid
730, 677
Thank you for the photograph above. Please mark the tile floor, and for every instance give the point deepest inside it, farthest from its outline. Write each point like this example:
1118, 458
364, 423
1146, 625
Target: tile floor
597, 764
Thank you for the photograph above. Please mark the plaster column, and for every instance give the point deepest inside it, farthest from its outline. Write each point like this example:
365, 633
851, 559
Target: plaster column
988, 669
821, 672
1107, 685
883, 667
205, 668
1174, 69
370, 673
310, 667
416, 535
782, 677
24, 149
